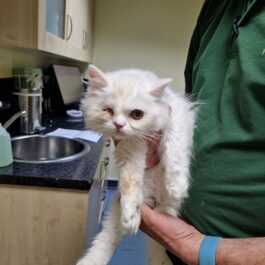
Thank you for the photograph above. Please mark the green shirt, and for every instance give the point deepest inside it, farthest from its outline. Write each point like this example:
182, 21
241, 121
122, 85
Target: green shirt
225, 72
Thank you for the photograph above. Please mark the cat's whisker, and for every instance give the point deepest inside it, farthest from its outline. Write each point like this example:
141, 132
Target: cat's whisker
142, 139
152, 137
142, 134
97, 127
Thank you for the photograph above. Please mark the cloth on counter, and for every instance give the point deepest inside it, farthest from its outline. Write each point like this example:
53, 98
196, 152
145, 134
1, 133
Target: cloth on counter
81, 134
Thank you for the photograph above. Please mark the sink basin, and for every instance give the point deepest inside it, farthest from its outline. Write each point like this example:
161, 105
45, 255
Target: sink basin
47, 149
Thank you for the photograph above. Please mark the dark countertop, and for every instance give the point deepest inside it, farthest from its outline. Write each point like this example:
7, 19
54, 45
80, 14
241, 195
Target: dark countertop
75, 174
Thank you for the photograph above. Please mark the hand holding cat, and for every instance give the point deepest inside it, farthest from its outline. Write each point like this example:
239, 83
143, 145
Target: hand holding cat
173, 233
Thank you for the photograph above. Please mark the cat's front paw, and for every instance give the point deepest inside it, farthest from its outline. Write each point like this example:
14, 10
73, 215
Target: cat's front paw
130, 217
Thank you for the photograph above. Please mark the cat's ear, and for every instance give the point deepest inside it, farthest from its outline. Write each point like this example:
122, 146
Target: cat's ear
159, 87
97, 78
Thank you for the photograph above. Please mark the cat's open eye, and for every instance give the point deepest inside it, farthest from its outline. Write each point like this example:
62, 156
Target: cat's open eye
137, 114
109, 110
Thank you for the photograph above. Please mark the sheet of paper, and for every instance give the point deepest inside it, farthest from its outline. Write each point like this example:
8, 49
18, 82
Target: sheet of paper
85, 135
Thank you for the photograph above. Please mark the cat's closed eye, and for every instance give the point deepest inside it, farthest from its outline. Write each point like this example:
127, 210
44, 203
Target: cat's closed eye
137, 114
109, 110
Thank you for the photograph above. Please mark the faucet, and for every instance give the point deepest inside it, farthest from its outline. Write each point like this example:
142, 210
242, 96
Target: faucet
13, 118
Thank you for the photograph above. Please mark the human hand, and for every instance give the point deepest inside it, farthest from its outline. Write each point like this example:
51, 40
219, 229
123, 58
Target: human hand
174, 234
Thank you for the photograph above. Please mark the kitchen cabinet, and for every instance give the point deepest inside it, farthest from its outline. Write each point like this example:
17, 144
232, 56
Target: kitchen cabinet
61, 27
41, 225
48, 225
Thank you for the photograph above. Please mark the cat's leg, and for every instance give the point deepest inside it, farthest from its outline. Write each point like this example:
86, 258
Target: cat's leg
107, 240
156, 193
157, 254
131, 161
131, 199
176, 161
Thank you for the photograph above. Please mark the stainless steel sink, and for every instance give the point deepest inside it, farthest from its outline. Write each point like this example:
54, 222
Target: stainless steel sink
40, 149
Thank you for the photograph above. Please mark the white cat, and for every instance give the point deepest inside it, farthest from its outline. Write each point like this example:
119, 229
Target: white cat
133, 106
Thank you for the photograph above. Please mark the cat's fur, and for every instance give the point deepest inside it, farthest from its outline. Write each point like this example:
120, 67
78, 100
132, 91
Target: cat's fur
132, 106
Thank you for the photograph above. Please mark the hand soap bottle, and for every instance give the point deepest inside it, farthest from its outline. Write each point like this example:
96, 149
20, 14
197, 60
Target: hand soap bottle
6, 157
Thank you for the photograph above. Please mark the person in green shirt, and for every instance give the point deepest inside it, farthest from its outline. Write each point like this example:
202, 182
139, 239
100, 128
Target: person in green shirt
225, 72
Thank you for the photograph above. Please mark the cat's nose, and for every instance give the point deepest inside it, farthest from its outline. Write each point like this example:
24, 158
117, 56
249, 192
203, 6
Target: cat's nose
118, 125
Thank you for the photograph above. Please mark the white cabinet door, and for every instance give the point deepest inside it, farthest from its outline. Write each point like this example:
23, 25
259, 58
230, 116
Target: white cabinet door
66, 27
78, 18
61, 27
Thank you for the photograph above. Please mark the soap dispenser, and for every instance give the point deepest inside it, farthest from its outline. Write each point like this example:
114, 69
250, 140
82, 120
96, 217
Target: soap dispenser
6, 156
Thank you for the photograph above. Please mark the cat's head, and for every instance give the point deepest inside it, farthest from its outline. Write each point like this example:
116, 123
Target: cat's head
126, 103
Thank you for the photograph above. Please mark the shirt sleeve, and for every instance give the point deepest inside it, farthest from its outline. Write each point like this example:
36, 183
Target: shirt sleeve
194, 46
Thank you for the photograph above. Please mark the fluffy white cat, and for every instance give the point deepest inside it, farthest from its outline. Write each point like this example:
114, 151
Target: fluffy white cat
134, 107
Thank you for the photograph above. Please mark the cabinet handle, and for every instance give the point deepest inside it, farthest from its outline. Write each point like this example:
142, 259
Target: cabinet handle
69, 22
102, 173
85, 40
108, 142
106, 161
103, 195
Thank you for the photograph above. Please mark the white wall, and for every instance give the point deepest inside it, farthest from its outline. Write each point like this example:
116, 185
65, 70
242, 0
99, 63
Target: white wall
148, 34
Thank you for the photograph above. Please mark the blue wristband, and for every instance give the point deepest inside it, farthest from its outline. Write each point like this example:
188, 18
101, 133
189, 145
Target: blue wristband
208, 250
